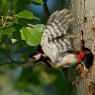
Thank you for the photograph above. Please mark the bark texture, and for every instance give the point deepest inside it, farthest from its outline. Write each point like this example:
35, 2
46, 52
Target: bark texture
84, 11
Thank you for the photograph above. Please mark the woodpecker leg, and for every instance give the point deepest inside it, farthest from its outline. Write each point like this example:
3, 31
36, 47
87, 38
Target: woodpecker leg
84, 72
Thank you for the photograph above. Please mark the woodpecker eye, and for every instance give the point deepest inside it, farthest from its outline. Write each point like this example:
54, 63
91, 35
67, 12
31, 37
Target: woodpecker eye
33, 58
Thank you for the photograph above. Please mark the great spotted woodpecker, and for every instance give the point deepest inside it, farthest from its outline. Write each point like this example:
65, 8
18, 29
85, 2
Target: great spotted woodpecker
56, 47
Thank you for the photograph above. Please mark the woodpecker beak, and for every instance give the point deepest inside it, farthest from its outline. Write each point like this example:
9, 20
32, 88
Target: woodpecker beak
29, 63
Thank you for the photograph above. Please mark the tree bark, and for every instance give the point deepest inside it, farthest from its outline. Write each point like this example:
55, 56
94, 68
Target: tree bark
85, 21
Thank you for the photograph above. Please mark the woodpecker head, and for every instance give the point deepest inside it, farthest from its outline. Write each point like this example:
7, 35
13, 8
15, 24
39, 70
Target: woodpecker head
36, 57
33, 58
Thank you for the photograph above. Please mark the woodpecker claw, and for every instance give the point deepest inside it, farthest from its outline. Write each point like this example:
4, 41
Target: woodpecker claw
84, 73
82, 70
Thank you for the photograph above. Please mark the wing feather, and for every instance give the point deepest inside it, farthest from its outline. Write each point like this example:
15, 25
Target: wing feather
55, 38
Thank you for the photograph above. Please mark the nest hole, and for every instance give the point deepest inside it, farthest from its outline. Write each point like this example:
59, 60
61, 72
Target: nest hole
89, 57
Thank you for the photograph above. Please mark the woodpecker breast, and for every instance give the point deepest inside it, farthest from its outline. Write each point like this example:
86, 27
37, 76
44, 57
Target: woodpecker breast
56, 39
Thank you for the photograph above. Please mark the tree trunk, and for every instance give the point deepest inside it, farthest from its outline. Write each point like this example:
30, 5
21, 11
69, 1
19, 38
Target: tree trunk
85, 21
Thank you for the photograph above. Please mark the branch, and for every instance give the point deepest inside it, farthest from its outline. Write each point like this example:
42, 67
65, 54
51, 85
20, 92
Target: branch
13, 62
45, 6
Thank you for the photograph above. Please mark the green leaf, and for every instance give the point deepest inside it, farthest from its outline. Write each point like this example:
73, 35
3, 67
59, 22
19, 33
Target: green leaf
26, 15
38, 2
32, 36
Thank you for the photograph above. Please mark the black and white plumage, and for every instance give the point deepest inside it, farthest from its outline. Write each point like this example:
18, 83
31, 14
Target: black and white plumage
56, 39
57, 42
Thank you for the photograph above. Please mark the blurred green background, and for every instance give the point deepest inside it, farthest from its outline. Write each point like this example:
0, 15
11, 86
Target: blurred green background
21, 24
41, 80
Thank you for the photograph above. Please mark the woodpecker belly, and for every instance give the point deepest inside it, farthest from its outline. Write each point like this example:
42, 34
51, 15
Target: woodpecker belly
69, 60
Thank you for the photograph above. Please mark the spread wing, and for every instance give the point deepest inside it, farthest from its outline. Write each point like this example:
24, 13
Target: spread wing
56, 35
